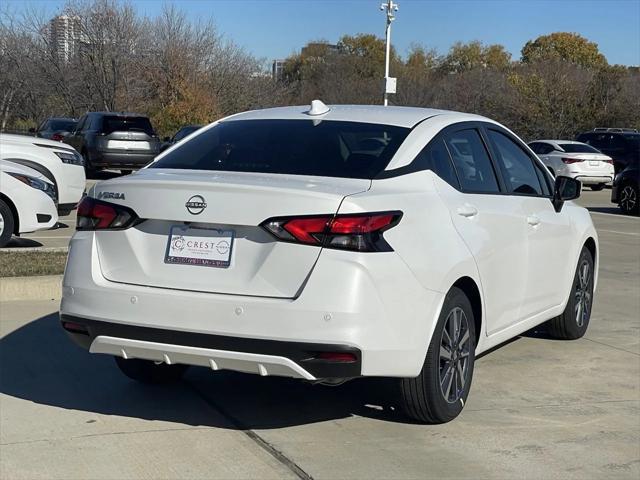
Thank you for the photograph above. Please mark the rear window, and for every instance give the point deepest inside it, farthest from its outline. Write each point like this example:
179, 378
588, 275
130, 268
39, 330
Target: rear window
578, 148
294, 147
113, 123
62, 125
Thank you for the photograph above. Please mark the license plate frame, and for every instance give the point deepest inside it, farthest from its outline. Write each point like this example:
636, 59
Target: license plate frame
208, 248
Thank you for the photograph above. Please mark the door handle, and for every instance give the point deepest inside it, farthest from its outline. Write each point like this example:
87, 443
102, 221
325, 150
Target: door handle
533, 220
467, 211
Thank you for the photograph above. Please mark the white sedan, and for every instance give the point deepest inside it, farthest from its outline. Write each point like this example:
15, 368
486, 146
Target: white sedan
26, 201
576, 160
58, 162
329, 243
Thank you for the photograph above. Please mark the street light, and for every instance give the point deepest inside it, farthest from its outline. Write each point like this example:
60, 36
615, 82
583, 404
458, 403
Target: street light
389, 82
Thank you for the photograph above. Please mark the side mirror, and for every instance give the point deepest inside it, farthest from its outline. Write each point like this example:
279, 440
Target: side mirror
565, 188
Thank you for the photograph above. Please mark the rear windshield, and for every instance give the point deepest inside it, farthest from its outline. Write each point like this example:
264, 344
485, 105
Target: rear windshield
634, 139
578, 148
295, 147
113, 123
62, 125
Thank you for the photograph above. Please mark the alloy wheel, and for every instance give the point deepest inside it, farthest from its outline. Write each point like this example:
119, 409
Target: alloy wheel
583, 293
1, 224
628, 198
455, 344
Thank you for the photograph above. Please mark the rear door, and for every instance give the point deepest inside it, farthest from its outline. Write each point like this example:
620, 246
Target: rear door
549, 233
492, 225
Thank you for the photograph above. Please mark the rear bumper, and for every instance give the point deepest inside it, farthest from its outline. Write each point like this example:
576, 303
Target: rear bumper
369, 304
594, 179
218, 352
119, 158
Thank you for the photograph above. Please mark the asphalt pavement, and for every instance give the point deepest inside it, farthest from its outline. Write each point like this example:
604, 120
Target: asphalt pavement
538, 408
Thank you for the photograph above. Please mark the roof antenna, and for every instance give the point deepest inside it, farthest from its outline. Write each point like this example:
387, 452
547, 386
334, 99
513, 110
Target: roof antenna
317, 108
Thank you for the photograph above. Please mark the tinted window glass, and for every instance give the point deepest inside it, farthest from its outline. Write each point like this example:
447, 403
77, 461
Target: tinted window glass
113, 123
62, 125
183, 132
296, 147
435, 157
536, 147
544, 178
517, 166
82, 123
578, 148
471, 161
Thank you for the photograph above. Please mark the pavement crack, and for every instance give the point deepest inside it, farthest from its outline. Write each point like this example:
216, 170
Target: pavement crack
287, 462
611, 346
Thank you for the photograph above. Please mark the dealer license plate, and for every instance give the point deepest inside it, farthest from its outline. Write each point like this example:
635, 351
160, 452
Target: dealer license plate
206, 247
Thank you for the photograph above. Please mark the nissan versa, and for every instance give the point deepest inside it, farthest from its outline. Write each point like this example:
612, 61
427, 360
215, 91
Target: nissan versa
329, 243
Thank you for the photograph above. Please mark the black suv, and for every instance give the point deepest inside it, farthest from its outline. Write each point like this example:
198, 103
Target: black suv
119, 140
621, 144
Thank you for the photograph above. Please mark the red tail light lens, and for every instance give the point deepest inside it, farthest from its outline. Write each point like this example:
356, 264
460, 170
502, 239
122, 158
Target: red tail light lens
95, 214
337, 357
57, 137
360, 232
571, 160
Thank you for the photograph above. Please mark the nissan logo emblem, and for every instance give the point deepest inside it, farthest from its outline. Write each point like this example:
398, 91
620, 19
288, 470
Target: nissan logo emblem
196, 205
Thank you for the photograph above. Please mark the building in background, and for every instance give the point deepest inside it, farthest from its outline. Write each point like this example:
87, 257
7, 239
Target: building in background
65, 34
277, 69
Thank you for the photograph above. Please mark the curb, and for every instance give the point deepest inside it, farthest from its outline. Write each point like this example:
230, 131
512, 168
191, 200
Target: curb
46, 287
10, 250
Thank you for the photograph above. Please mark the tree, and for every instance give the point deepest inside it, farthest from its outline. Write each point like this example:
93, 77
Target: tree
569, 47
463, 57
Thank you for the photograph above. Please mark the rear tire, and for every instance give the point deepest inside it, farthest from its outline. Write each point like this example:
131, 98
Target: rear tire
597, 187
629, 199
7, 223
439, 392
574, 321
146, 371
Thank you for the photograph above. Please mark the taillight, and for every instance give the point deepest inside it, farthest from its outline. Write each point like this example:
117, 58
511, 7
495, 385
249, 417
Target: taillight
571, 160
57, 137
610, 162
361, 232
95, 214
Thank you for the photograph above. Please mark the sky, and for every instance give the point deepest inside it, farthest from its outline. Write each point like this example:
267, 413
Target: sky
271, 29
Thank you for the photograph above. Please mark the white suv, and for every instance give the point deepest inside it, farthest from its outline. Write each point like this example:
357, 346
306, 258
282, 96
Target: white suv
576, 160
331, 243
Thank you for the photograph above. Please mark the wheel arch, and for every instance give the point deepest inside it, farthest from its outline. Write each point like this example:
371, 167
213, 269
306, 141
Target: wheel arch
472, 291
14, 211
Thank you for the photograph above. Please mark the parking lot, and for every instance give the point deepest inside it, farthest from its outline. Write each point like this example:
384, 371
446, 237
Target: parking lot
538, 408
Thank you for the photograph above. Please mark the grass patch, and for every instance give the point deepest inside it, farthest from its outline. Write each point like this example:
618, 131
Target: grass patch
33, 262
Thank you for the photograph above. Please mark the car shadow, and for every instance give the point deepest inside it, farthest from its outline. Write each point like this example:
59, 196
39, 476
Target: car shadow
40, 364
610, 210
20, 242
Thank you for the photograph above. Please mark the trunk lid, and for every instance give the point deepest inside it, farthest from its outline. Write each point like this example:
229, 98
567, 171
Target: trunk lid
235, 202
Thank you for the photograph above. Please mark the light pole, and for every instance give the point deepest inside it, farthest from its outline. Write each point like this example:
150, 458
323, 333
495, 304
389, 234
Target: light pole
389, 82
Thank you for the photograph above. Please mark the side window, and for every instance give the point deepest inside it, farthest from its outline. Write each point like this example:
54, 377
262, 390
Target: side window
435, 157
472, 162
517, 167
545, 148
545, 180
536, 147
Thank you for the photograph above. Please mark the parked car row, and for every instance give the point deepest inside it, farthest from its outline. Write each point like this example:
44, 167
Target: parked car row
40, 180
600, 157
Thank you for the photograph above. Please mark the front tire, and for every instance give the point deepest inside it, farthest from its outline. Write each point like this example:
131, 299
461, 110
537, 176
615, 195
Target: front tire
439, 392
7, 224
146, 371
574, 321
597, 187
